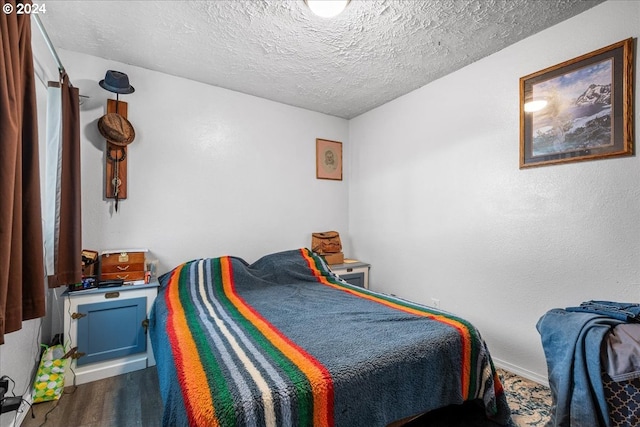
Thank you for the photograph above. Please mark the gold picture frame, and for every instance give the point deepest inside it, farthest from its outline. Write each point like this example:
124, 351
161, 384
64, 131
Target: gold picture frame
581, 109
328, 159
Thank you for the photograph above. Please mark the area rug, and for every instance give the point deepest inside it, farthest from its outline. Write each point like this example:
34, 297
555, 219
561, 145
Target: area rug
530, 402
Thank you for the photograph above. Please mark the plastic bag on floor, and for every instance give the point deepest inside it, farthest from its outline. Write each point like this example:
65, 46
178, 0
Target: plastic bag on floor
49, 381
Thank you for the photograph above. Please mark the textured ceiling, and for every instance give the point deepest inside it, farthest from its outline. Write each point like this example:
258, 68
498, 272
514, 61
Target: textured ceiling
375, 51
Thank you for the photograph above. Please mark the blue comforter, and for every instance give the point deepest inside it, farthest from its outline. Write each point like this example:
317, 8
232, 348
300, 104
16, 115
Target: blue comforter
284, 342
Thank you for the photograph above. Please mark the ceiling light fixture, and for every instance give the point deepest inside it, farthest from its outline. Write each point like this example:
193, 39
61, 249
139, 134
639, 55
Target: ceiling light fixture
327, 8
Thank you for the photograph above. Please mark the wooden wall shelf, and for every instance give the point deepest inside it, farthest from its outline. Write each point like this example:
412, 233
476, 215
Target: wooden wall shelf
116, 152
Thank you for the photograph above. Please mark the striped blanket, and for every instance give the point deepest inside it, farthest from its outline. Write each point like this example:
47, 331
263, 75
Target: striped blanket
285, 342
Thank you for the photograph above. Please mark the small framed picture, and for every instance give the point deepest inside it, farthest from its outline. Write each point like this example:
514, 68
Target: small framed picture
328, 159
579, 110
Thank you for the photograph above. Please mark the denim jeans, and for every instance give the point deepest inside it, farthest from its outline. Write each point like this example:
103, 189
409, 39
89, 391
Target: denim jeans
627, 312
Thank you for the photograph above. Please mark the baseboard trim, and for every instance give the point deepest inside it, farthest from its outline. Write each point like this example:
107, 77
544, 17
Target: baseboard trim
110, 368
524, 373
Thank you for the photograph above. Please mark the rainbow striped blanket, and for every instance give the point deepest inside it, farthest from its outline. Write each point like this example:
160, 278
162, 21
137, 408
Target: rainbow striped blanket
285, 342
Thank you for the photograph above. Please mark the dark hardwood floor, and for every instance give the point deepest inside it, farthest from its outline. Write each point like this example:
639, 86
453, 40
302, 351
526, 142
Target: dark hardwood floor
126, 400
133, 399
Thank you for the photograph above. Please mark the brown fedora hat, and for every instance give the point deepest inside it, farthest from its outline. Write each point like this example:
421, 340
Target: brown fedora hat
116, 129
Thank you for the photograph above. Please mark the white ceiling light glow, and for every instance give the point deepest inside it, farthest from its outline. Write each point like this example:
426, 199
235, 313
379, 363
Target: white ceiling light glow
327, 8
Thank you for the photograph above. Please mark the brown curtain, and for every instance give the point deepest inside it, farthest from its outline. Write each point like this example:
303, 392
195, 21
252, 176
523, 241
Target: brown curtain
68, 228
22, 294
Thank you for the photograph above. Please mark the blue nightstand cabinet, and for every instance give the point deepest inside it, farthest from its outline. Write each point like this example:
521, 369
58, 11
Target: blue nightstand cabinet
109, 328
354, 272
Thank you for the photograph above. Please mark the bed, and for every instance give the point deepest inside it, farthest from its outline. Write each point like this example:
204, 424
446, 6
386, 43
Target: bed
285, 342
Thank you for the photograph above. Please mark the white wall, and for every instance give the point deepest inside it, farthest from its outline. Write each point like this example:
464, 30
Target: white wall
19, 358
440, 208
211, 171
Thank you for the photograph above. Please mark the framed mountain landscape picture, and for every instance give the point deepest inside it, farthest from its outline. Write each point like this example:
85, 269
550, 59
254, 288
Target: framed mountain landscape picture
579, 110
